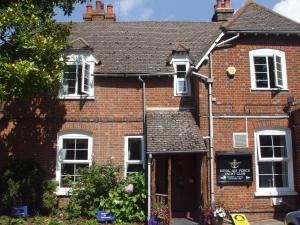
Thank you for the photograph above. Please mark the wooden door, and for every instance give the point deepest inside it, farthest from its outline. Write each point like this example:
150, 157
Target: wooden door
184, 184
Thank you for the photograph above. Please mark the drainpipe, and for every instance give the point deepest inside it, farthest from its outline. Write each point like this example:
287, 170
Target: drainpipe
211, 132
150, 155
149, 186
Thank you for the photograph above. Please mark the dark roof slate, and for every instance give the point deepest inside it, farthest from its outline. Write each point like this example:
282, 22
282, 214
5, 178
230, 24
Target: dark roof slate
255, 17
143, 47
173, 132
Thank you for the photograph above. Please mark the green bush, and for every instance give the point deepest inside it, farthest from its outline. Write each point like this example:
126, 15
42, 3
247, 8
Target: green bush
127, 200
49, 197
93, 184
21, 184
5, 220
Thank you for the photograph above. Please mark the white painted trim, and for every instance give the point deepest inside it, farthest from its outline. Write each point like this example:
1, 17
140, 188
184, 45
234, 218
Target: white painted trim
266, 53
76, 97
69, 135
176, 62
126, 161
290, 190
209, 51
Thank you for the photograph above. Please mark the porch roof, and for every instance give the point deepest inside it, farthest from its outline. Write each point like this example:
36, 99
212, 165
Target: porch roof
173, 132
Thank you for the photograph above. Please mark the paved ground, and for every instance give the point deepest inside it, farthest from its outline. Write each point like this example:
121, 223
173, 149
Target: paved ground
267, 222
181, 221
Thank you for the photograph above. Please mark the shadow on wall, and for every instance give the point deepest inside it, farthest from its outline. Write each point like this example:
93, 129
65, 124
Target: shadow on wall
29, 131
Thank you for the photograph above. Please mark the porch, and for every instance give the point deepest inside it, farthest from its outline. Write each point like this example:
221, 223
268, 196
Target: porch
178, 170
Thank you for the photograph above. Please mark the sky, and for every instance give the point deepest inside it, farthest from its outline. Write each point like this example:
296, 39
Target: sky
178, 10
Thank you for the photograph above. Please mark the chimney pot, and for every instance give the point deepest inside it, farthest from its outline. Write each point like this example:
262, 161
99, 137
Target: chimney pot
89, 8
110, 9
219, 4
98, 5
227, 4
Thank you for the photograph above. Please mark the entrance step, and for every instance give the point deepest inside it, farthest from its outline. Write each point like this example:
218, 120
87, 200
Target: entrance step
182, 221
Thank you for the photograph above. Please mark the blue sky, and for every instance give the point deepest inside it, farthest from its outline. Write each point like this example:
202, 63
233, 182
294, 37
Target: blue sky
188, 10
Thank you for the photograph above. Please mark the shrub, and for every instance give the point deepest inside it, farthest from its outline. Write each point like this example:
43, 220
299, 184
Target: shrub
5, 220
93, 184
127, 200
20, 184
49, 197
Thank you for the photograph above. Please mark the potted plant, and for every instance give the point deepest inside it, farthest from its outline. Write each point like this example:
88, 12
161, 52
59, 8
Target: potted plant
159, 215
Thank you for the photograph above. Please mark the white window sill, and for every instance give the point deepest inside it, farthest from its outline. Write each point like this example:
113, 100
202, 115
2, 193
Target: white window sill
269, 89
183, 95
275, 193
63, 191
77, 97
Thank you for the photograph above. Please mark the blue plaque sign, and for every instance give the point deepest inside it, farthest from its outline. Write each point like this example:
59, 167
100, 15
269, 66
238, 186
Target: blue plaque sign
19, 211
105, 216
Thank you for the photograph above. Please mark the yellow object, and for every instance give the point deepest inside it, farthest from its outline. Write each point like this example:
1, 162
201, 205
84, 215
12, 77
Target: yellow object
239, 219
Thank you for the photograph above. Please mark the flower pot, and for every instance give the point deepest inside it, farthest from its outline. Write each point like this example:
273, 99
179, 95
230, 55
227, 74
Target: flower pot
217, 221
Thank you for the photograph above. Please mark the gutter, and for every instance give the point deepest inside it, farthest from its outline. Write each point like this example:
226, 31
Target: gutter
144, 153
131, 74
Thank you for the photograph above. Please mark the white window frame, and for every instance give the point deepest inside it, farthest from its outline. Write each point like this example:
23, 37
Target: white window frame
78, 59
273, 191
177, 79
59, 155
142, 161
267, 53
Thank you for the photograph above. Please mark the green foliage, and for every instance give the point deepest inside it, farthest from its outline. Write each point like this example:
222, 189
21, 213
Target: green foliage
5, 220
49, 197
20, 183
127, 203
93, 184
31, 43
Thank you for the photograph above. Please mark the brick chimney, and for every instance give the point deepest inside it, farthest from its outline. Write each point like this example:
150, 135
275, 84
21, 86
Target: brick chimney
223, 11
99, 13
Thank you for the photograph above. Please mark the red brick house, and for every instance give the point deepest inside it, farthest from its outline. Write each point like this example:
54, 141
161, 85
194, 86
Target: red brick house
206, 109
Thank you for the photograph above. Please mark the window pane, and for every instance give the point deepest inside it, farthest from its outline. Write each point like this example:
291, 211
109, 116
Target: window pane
281, 181
134, 168
70, 154
69, 79
279, 140
134, 149
69, 143
260, 60
266, 152
181, 68
280, 152
265, 140
261, 76
280, 168
67, 169
265, 181
81, 165
271, 71
261, 68
181, 86
265, 168
79, 75
81, 143
262, 84
82, 154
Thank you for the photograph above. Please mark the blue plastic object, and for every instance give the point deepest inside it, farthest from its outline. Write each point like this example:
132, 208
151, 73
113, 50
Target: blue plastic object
105, 216
20, 211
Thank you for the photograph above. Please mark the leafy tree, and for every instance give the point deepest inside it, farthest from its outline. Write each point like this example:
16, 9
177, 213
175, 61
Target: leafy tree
31, 42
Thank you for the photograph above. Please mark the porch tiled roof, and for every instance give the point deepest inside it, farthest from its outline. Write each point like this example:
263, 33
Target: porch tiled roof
173, 132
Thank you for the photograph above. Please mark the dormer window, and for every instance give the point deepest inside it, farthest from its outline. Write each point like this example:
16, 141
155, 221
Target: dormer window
181, 83
77, 80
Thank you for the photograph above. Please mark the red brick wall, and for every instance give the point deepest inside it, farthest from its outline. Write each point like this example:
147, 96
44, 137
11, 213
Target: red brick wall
30, 131
233, 96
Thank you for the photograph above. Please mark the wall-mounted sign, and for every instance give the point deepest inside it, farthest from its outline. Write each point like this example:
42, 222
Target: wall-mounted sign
234, 167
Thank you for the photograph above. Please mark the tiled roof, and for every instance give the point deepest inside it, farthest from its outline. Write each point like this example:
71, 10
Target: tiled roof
254, 17
173, 132
143, 47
